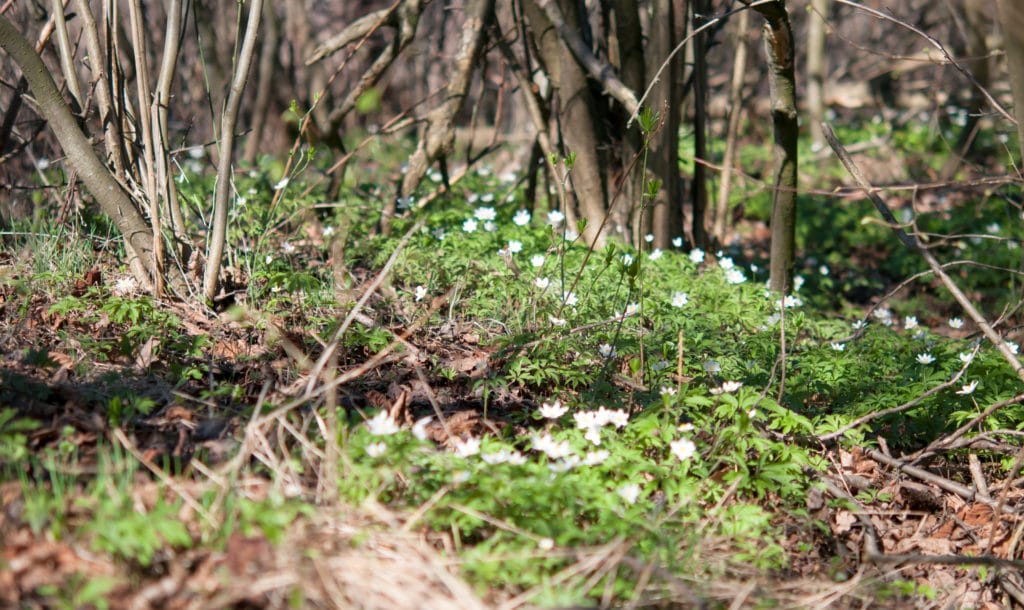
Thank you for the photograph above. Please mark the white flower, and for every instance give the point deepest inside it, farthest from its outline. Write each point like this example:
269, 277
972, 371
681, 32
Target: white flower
649, 237
280, 185
376, 449
725, 262
1013, 346
537, 260
503, 457
268, 259
659, 365
545, 544
618, 418
925, 358
824, 270
434, 176
858, 324
438, 233
125, 287
593, 458
571, 235
655, 254
487, 197
287, 248
553, 410
242, 201
328, 231
798, 283
559, 322
419, 429
631, 310
381, 424
495, 458
966, 357
515, 458
515, 246
629, 492
752, 413
555, 218
667, 390
685, 427
570, 299
993, 228
627, 259
553, 449
485, 213
467, 448
606, 350
677, 242
909, 322
679, 299
728, 387
956, 323
839, 347
790, 300
469, 225
712, 366
542, 283
593, 435
697, 255
460, 476
683, 449
522, 218
490, 226
404, 203
43, 164
421, 293
968, 389
735, 276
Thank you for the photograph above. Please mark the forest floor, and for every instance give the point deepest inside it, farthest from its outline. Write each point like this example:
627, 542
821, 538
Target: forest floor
160, 455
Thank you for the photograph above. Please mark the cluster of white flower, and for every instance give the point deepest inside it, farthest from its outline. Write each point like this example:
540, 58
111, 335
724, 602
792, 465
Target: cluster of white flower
591, 422
727, 387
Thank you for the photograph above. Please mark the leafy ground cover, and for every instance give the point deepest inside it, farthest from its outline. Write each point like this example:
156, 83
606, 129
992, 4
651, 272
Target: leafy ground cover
464, 406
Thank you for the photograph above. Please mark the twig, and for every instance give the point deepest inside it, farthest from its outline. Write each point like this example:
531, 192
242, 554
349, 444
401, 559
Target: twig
941, 482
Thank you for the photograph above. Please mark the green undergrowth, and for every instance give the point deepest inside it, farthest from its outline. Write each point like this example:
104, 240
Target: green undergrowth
635, 397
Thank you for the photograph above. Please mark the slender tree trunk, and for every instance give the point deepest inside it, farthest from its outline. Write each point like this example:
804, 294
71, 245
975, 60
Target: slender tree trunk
700, 116
1011, 18
577, 117
664, 217
778, 42
221, 201
817, 68
739, 70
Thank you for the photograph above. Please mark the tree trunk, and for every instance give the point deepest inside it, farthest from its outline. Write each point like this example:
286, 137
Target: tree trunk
778, 40
817, 68
577, 117
665, 217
